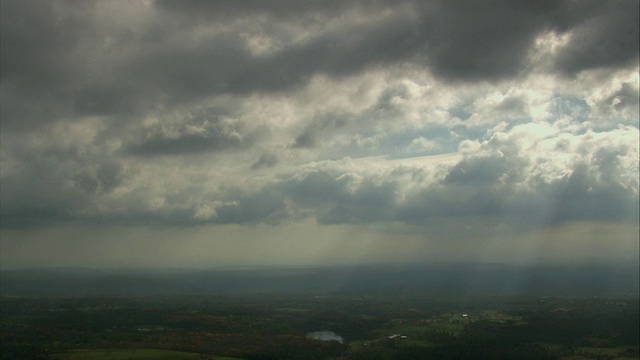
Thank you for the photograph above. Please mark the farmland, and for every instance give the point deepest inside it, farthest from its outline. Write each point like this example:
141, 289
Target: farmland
131, 354
276, 326
373, 312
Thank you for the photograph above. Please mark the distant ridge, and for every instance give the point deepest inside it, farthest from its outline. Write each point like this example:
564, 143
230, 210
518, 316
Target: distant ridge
446, 280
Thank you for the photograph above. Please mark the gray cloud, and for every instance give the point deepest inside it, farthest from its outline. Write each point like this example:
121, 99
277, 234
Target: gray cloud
207, 10
185, 144
31, 198
608, 38
496, 184
625, 98
410, 114
60, 59
321, 126
481, 40
266, 160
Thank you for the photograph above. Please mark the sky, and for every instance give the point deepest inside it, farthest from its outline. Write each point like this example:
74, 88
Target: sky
269, 132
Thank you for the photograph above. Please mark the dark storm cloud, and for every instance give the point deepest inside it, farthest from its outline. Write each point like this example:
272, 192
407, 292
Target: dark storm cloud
185, 144
489, 40
457, 40
36, 43
31, 198
64, 60
607, 38
48, 71
482, 40
207, 10
224, 64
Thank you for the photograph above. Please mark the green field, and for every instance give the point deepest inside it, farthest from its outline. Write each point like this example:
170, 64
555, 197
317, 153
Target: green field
613, 353
133, 354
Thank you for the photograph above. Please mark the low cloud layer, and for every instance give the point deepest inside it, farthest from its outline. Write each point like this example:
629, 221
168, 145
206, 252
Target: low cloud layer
401, 115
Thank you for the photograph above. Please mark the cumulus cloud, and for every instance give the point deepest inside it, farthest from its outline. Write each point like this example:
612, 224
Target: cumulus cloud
81, 62
403, 114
